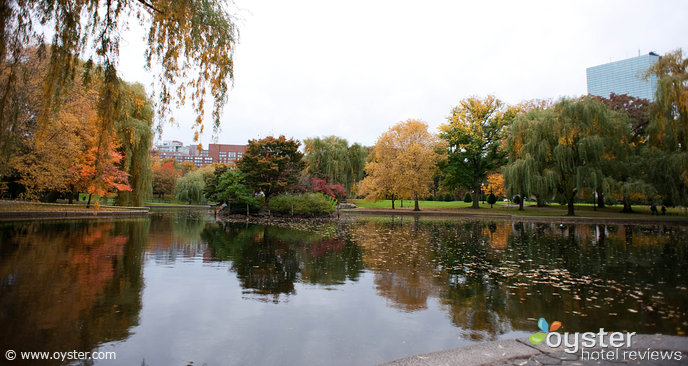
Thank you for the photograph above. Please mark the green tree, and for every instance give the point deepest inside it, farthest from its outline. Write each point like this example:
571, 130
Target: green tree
629, 165
271, 165
563, 148
189, 188
474, 134
331, 158
231, 189
668, 128
134, 130
212, 183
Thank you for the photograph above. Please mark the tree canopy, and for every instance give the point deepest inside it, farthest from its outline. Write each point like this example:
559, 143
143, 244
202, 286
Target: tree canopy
402, 163
561, 150
668, 128
475, 133
331, 158
271, 164
190, 47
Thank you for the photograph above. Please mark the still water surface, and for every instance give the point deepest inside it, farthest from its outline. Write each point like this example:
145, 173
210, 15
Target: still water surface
178, 288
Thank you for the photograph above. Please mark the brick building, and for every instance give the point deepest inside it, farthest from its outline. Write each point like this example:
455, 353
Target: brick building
215, 153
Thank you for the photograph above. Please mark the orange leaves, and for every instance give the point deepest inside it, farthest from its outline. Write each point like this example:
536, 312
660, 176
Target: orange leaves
495, 182
403, 162
98, 173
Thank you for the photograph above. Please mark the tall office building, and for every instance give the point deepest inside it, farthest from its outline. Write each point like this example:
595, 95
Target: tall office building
624, 77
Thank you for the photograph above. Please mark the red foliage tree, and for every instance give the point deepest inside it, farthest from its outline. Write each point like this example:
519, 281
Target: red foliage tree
336, 191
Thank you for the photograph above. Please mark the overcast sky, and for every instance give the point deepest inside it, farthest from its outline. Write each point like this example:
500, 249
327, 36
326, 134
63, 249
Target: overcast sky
308, 68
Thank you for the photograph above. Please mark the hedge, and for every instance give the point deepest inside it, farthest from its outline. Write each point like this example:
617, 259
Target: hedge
308, 204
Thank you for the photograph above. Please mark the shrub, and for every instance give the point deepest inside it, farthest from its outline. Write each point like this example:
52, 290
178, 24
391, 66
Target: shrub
308, 204
468, 197
517, 199
448, 197
491, 199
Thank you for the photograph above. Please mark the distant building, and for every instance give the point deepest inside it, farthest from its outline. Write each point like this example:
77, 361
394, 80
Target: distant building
624, 77
216, 153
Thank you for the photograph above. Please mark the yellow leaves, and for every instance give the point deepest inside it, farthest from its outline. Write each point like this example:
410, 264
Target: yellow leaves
495, 182
402, 162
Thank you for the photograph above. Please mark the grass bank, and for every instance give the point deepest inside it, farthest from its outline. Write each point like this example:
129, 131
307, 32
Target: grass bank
508, 208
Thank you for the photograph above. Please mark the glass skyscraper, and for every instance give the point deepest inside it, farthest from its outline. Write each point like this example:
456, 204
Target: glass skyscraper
624, 77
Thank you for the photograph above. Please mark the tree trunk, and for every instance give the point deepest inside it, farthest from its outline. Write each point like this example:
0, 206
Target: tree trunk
71, 193
520, 202
416, 207
570, 204
88, 204
392, 202
476, 194
600, 200
626, 205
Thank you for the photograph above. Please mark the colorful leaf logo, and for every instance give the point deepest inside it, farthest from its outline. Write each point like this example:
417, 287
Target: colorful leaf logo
538, 337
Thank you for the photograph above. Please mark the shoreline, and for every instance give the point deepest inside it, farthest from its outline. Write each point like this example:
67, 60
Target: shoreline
666, 220
76, 214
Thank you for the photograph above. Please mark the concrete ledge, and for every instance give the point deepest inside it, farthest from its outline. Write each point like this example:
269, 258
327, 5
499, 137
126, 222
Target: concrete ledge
478, 354
521, 352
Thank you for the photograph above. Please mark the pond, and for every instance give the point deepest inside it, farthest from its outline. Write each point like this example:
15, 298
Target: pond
178, 288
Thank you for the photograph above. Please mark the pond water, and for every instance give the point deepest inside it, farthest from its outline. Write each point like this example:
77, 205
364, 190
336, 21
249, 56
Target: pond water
177, 288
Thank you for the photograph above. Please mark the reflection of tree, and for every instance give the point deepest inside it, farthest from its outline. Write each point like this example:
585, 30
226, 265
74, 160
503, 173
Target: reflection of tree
403, 262
68, 286
496, 276
177, 232
268, 260
466, 251
583, 275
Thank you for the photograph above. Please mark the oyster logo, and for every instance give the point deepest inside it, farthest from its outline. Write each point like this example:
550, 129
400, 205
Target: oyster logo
538, 337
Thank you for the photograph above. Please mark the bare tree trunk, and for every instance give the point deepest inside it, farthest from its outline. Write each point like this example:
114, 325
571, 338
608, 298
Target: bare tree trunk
416, 207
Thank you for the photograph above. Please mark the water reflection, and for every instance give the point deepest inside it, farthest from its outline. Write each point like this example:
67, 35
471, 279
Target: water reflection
69, 286
268, 260
385, 287
494, 277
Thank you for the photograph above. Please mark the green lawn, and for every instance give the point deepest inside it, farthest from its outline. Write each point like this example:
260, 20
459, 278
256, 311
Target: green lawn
509, 208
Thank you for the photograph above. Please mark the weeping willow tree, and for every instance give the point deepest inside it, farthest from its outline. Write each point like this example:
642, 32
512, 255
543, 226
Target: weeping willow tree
331, 158
134, 129
668, 128
561, 150
525, 175
190, 47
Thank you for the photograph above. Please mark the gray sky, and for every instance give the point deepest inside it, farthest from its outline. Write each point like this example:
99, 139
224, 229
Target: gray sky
308, 68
